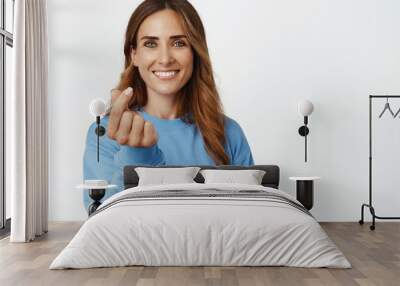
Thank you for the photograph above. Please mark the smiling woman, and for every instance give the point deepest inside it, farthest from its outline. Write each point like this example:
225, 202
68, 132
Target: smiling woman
163, 55
166, 109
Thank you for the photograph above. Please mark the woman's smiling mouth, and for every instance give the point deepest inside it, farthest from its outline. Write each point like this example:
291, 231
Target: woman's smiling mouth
166, 74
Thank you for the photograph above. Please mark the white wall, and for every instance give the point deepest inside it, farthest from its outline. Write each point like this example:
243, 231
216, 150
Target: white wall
267, 55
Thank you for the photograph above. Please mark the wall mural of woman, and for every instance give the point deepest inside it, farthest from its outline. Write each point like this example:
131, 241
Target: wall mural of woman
166, 109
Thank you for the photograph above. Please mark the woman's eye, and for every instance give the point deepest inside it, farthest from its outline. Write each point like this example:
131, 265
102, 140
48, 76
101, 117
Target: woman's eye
152, 44
149, 44
179, 44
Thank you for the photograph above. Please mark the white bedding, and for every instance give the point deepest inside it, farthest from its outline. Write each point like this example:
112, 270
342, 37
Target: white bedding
181, 231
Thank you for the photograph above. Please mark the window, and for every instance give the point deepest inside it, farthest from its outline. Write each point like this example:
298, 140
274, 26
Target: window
6, 45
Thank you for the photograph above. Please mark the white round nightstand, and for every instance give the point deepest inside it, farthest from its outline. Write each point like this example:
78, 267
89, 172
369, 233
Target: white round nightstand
305, 190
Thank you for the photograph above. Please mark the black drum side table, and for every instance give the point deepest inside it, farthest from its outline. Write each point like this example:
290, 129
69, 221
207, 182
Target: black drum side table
305, 190
96, 193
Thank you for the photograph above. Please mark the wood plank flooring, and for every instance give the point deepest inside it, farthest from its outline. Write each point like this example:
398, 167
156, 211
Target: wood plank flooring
374, 255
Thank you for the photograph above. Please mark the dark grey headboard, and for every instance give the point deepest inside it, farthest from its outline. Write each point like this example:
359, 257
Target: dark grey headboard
270, 179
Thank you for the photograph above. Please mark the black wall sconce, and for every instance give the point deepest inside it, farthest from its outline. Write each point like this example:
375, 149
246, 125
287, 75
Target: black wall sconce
97, 108
305, 108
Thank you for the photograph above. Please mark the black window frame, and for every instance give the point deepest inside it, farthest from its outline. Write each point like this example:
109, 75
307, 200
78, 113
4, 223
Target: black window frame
6, 39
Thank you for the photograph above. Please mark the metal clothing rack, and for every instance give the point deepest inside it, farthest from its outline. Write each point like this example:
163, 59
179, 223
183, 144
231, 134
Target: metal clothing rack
369, 205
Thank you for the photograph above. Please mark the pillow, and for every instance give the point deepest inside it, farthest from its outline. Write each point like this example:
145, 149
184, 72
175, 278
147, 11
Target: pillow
163, 176
249, 177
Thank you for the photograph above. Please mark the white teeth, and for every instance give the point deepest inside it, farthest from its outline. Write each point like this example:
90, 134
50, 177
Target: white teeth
168, 74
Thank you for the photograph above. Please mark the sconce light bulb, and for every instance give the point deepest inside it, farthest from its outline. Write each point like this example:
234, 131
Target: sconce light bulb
97, 107
305, 107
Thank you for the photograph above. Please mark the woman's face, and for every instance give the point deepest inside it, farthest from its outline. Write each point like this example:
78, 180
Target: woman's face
163, 53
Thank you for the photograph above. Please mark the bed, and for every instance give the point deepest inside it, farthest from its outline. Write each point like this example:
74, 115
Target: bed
201, 224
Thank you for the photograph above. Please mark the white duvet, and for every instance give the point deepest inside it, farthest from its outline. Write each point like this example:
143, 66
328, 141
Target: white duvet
200, 231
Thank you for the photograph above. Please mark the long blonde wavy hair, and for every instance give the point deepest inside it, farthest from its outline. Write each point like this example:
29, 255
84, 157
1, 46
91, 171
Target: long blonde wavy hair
198, 101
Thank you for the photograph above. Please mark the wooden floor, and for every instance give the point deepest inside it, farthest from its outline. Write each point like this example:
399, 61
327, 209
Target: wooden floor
374, 255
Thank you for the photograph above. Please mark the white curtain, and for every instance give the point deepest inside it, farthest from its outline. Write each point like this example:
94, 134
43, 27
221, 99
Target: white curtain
28, 163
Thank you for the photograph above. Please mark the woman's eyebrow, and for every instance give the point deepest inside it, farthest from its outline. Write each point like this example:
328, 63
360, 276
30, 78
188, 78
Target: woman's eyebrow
177, 37
157, 38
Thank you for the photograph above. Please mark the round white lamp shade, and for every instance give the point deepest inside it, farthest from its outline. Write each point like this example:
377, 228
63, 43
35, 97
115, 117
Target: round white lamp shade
305, 107
97, 107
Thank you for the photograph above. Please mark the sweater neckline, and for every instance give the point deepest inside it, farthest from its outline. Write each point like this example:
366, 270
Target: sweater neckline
160, 121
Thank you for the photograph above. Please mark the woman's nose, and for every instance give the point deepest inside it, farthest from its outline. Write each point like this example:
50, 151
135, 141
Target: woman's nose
165, 56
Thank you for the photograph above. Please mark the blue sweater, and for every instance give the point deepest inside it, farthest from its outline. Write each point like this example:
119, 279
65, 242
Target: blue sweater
178, 143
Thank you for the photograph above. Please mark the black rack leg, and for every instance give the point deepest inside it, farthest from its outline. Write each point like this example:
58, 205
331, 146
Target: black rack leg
361, 221
372, 210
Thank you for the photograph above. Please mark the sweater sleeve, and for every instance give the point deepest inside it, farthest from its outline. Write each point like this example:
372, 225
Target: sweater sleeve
237, 146
112, 159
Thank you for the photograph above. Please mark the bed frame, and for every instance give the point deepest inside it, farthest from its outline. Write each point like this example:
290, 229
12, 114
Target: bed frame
270, 179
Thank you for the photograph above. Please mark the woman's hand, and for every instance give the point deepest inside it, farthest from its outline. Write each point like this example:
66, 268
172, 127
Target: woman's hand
128, 127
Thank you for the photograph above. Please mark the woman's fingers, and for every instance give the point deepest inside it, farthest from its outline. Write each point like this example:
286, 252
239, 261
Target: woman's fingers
136, 134
128, 127
125, 126
119, 106
149, 135
143, 133
134, 131
114, 95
